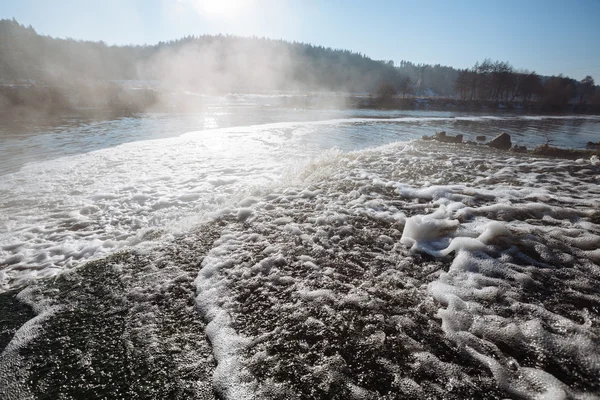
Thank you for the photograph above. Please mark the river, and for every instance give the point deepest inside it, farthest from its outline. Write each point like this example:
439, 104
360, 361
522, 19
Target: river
326, 251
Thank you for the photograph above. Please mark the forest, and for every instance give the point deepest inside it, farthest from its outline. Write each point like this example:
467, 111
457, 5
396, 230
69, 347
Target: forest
51, 73
500, 82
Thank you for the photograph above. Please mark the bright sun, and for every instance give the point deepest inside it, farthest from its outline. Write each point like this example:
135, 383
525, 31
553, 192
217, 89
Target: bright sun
218, 8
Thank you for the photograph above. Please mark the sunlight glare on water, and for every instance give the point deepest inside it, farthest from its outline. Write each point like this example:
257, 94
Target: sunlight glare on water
82, 190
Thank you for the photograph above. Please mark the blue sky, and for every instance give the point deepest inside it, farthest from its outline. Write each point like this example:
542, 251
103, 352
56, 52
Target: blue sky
547, 36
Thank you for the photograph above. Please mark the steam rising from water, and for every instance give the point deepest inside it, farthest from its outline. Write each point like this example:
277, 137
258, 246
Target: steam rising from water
211, 67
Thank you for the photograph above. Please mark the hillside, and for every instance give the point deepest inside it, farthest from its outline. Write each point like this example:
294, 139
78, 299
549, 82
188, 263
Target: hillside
53, 73
205, 63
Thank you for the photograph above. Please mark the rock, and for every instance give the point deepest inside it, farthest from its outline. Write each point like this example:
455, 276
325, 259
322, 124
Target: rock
442, 137
519, 149
481, 138
502, 142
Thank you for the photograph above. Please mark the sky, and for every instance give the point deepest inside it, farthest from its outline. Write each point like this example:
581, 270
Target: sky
546, 36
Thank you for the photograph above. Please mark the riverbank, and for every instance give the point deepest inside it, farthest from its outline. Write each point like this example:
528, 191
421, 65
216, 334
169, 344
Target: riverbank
503, 141
454, 104
23, 99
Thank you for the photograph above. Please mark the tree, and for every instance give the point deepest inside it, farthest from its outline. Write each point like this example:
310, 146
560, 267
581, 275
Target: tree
531, 84
587, 87
385, 93
406, 86
501, 76
461, 84
558, 91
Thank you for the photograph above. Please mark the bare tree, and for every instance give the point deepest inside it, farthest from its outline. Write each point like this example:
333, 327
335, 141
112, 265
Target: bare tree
587, 87
406, 86
558, 91
385, 93
530, 85
461, 85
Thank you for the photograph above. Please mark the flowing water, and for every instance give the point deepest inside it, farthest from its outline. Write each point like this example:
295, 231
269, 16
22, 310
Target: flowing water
263, 252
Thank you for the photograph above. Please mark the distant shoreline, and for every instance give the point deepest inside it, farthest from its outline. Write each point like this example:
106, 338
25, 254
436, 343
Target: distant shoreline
455, 104
108, 96
503, 143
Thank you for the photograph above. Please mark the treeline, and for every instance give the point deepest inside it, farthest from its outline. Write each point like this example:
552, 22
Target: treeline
199, 63
499, 82
432, 80
66, 73
51, 98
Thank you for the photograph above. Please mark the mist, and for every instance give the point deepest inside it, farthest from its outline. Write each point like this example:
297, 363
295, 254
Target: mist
49, 75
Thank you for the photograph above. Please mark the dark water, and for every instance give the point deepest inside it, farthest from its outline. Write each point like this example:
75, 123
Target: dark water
29, 140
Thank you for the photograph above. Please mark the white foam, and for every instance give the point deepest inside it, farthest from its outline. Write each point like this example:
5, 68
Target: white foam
476, 226
475, 279
56, 214
428, 232
230, 378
